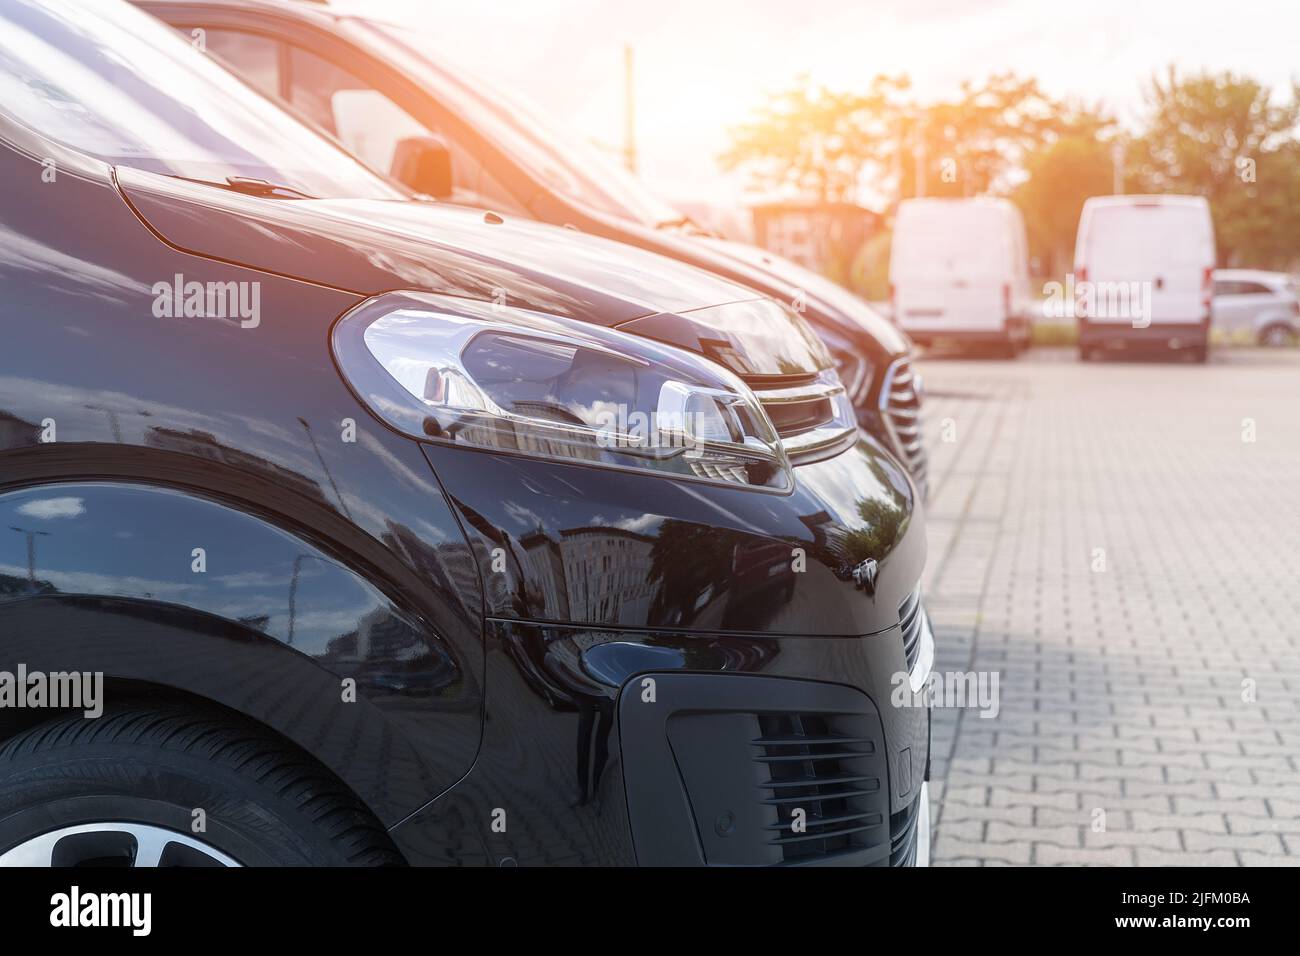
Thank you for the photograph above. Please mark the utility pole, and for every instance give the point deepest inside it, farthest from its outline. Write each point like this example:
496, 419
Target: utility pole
918, 152
629, 111
898, 158
31, 552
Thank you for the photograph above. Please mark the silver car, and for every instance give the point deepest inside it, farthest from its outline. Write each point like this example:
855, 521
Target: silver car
1263, 305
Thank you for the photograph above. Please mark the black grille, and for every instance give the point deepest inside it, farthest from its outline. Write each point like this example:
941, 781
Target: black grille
794, 418
829, 766
911, 624
797, 408
900, 403
903, 831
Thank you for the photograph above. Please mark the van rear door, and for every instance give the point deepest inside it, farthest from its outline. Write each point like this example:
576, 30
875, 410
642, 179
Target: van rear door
1167, 247
949, 266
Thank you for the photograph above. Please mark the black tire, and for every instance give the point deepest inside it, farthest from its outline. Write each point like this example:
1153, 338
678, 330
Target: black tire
1277, 335
266, 803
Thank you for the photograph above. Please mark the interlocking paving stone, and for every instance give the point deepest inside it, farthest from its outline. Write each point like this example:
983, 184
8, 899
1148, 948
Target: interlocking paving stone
1104, 540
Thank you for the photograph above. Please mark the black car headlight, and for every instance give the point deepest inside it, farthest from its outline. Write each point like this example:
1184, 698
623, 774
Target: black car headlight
508, 380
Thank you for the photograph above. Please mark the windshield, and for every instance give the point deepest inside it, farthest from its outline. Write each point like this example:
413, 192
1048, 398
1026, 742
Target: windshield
1140, 239
109, 80
563, 161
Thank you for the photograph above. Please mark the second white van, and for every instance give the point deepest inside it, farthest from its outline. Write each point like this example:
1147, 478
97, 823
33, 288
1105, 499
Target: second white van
959, 272
1144, 274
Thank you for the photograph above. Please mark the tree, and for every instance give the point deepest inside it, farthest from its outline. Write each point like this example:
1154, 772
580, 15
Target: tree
834, 146
976, 143
819, 143
1222, 136
1059, 178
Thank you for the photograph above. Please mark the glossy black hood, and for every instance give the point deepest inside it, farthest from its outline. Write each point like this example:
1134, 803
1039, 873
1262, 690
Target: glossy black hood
824, 295
372, 246
836, 313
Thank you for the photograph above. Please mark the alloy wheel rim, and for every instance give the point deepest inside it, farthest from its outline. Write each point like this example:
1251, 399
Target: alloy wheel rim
115, 844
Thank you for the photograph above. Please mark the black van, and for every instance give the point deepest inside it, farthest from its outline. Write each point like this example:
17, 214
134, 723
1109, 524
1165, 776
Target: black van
386, 97
342, 528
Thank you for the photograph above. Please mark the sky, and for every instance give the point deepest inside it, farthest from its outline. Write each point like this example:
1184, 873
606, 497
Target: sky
702, 66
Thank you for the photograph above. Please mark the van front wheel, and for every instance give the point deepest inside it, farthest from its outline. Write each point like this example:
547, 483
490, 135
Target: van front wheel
171, 787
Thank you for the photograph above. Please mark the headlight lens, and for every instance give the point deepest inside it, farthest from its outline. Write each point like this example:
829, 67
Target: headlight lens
519, 382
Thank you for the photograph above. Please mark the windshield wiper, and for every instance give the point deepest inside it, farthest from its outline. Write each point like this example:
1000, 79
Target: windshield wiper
253, 186
677, 223
250, 186
687, 225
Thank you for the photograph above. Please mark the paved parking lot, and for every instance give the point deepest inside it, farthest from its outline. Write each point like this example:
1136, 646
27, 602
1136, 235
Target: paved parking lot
1120, 544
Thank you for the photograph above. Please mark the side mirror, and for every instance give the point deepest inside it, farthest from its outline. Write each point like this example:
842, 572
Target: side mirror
424, 164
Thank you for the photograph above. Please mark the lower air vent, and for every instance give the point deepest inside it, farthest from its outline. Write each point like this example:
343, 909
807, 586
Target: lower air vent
826, 766
742, 770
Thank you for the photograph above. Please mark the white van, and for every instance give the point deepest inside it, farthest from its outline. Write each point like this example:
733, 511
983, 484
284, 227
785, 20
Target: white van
959, 272
1144, 274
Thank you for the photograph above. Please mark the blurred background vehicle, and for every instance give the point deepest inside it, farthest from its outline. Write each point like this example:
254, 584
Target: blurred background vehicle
376, 87
959, 273
1262, 305
1157, 254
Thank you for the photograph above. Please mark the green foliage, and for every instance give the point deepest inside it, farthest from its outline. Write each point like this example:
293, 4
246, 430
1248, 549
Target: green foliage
1060, 176
977, 143
820, 143
829, 145
1053, 334
869, 276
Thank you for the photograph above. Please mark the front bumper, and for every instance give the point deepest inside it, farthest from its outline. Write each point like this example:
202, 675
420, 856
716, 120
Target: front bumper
923, 828
688, 749
752, 616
